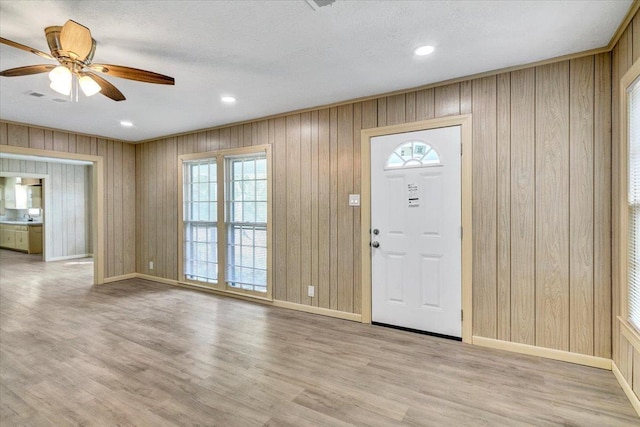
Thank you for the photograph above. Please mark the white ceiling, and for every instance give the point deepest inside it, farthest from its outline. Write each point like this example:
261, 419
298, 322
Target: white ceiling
279, 56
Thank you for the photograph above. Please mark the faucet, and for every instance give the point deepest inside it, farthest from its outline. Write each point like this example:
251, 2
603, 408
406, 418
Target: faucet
28, 217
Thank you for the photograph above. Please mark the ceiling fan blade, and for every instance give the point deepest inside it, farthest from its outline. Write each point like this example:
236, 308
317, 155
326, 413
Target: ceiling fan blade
27, 48
133, 74
75, 39
25, 71
106, 88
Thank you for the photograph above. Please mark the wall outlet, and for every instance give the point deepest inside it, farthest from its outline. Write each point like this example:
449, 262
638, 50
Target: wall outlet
311, 291
150, 265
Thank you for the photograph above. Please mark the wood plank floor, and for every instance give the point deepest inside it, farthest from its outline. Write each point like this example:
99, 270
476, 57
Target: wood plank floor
141, 353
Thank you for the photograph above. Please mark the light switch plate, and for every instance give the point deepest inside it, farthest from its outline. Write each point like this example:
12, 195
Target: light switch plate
354, 200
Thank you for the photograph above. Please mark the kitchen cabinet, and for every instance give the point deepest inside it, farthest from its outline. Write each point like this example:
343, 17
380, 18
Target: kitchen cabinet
7, 236
25, 238
15, 195
20, 196
35, 239
22, 240
35, 197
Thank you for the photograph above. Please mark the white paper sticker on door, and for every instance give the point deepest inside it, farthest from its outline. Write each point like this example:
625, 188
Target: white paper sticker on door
414, 200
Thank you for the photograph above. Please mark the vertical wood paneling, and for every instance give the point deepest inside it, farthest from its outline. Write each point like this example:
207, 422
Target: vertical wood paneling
129, 207
171, 260
382, 112
581, 224
305, 207
140, 204
315, 206
293, 282
333, 213
152, 214
503, 208
552, 207
60, 141
396, 109
72, 143
118, 207
357, 189
602, 207
484, 208
57, 217
635, 380
18, 135
523, 206
447, 100
345, 212
425, 104
110, 196
466, 89
36, 138
410, 108
324, 210
163, 204
48, 141
83, 144
279, 208
4, 134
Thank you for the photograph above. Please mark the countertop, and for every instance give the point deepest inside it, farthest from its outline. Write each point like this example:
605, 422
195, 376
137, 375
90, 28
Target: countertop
20, 222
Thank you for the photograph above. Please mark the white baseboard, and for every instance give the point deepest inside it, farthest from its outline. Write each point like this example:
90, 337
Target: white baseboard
318, 310
284, 304
549, 353
68, 257
121, 277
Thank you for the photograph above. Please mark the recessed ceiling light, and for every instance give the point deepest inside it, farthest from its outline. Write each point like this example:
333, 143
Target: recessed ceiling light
228, 99
424, 50
126, 123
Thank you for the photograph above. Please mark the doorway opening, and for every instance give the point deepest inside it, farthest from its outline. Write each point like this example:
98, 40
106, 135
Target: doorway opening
66, 209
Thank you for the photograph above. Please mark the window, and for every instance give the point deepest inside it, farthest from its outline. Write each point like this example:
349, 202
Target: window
229, 253
633, 201
413, 154
246, 220
200, 220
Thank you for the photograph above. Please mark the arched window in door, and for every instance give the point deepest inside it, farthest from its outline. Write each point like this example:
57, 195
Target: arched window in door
413, 154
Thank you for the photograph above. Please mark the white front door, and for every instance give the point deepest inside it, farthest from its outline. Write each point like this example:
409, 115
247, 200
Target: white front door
416, 230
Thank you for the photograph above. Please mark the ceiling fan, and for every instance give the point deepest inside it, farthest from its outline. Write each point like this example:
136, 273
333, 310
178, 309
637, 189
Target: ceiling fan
73, 47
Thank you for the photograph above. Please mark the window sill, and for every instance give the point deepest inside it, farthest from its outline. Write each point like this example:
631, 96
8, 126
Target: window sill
630, 333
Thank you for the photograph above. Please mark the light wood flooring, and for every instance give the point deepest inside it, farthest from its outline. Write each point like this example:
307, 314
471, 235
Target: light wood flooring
142, 353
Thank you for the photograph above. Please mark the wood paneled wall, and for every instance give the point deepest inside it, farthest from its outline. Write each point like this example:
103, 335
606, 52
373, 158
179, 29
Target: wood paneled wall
541, 216
625, 355
69, 209
119, 181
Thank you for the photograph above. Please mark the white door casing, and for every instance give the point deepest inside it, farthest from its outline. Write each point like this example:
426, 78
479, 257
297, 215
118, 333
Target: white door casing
416, 272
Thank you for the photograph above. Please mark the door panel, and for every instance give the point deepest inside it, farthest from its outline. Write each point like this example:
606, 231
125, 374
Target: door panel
430, 282
416, 207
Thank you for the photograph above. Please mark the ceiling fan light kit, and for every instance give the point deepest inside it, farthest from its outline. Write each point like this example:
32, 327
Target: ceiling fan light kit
61, 80
73, 47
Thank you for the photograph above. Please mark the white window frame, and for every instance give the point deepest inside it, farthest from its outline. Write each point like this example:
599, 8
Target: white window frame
630, 330
221, 284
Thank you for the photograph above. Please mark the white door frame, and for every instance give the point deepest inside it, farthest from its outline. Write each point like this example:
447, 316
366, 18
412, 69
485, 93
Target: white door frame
97, 198
465, 123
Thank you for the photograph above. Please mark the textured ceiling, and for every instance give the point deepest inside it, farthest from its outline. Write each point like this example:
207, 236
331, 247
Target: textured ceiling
278, 56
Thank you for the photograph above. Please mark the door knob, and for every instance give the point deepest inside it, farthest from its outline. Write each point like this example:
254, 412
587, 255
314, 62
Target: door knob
375, 244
